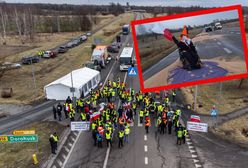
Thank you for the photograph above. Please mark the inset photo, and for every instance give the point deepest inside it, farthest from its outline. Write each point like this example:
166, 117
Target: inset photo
192, 48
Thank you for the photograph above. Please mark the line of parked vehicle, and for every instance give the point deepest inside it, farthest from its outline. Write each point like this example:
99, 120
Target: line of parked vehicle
52, 53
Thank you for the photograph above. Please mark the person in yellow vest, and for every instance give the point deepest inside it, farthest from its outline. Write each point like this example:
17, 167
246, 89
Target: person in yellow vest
113, 95
185, 133
159, 121
54, 142
108, 138
179, 135
134, 106
127, 132
72, 115
166, 101
141, 114
83, 116
121, 136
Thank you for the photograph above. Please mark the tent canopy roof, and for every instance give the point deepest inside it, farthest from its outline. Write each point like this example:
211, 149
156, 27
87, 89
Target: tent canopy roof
80, 77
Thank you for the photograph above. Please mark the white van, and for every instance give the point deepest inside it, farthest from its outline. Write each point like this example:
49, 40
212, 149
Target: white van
100, 56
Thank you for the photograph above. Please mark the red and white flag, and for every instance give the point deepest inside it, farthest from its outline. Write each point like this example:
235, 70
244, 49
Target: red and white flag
95, 116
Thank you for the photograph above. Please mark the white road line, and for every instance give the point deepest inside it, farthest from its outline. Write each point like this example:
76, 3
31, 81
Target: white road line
139, 124
106, 158
73, 139
63, 156
187, 139
69, 154
146, 160
145, 137
191, 147
194, 156
189, 143
59, 162
237, 33
195, 160
192, 151
145, 148
227, 50
108, 74
219, 43
70, 144
67, 149
54, 166
197, 165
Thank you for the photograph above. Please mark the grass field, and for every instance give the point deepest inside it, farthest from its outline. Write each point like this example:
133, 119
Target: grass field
230, 98
152, 48
19, 155
50, 69
233, 130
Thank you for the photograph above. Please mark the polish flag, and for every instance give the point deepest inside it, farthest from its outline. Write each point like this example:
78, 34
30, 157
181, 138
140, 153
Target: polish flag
95, 116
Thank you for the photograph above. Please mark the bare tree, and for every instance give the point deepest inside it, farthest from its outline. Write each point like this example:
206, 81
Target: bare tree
4, 24
18, 25
240, 83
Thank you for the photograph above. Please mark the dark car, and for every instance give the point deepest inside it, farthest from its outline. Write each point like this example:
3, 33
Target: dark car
62, 49
70, 44
208, 29
92, 65
30, 59
114, 47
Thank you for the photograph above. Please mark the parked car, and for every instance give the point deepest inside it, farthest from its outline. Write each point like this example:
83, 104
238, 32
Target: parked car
91, 65
70, 45
217, 26
114, 47
208, 28
10, 65
30, 59
83, 38
62, 49
49, 54
89, 34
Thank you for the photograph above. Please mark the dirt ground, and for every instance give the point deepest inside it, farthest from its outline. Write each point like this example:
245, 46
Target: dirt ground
48, 70
233, 130
226, 98
20, 154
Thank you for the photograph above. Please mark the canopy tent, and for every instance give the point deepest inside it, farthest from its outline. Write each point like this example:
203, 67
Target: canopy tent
84, 79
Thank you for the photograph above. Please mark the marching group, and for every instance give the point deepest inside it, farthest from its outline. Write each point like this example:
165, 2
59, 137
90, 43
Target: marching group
111, 119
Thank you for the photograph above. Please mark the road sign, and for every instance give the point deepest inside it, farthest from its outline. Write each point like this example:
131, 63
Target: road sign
23, 132
80, 126
72, 89
196, 126
19, 138
214, 112
132, 71
3, 139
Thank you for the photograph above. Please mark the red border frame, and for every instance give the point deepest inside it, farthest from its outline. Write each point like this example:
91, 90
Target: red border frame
176, 16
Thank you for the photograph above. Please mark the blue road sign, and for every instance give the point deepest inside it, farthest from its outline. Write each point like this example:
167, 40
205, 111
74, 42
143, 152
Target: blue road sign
214, 112
132, 71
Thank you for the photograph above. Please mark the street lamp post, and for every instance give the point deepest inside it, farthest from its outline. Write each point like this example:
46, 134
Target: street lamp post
34, 80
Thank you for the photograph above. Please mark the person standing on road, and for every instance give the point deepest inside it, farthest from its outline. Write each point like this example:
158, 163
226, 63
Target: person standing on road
141, 114
65, 110
56, 139
99, 140
169, 125
159, 122
173, 95
179, 135
185, 133
121, 136
108, 138
59, 109
94, 133
127, 132
54, 113
147, 124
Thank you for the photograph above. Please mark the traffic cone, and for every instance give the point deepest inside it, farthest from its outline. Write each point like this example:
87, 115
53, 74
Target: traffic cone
35, 160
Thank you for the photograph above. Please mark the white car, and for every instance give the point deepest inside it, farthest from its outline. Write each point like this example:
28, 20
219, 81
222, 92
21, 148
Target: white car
84, 37
47, 54
88, 34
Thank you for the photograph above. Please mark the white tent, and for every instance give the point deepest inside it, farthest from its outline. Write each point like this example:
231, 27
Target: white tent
84, 79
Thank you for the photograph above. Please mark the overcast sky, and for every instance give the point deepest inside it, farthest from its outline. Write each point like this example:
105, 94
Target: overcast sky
158, 27
205, 3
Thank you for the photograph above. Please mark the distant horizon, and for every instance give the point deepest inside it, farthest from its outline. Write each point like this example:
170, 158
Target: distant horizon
164, 3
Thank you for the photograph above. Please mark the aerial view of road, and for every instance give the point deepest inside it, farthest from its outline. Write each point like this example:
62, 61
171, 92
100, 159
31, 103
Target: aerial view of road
71, 96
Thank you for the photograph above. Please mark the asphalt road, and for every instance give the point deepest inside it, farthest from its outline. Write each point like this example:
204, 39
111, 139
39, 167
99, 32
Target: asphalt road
229, 44
151, 150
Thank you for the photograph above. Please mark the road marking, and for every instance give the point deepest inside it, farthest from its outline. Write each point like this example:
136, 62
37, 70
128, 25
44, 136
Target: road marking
219, 43
139, 124
192, 151
145, 148
187, 139
197, 165
146, 160
189, 143
63, 156
145, 137
73, 139
215, 39
106, 158
67, 150
108, 74
194, 156
191, 147
195, 160
237, 33
54, 166
72, 147
59, 162
70, 144
227, 50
